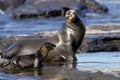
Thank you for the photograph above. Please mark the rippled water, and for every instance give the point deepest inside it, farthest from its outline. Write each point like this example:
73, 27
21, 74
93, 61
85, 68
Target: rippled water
99, 60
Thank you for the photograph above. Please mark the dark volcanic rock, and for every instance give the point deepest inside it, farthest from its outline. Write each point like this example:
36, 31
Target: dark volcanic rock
41, 8
49, 8
90, 44
101, 44
93, 5
10, 4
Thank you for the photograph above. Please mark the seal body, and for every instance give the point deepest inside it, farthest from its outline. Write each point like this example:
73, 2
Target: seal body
26, 61
27, 47
67, 41
70, 38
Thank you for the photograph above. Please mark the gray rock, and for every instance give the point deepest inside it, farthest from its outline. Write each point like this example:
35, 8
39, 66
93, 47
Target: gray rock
93, 5
10, 4
22, 9
101, 44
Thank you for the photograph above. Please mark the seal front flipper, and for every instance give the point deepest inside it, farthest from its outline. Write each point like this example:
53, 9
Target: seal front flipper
42, 53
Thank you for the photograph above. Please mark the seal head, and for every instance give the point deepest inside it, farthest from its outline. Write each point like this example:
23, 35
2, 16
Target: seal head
70, 16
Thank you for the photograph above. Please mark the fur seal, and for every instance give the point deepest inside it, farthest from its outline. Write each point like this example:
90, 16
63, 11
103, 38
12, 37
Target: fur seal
67, 41
25, 61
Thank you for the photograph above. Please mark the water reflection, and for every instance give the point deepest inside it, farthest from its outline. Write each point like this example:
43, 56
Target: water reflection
43, 73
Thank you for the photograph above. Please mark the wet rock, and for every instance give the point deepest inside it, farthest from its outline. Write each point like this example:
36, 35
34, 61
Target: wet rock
98, 38
27, 13
102, 44
8, 5
22, 9
90, 44
93, 5
101, 38
57, 73
35, 9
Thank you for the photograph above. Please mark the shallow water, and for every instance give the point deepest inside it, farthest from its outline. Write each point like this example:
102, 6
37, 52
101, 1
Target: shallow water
99, 60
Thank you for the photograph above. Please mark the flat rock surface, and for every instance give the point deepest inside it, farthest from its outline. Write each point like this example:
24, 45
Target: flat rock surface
103, 29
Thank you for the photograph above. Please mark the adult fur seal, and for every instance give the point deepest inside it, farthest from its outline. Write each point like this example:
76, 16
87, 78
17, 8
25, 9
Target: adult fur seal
67, 41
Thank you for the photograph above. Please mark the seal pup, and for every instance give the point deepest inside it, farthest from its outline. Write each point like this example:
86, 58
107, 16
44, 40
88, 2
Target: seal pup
67, 41
25, 61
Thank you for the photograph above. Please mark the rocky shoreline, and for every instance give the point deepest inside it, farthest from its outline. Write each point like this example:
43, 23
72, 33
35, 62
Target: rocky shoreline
98, 38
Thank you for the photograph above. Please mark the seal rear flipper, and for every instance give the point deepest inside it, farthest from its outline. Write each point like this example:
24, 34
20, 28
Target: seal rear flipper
4, 62
22, 62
